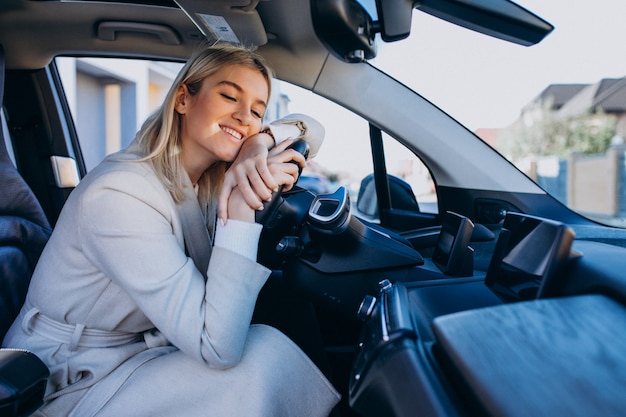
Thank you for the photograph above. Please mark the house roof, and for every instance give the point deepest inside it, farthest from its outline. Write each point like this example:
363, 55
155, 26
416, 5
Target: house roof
559, 93
608, 95
611, 99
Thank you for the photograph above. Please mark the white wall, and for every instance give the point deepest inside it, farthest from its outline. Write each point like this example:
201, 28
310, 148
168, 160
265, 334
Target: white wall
110, 99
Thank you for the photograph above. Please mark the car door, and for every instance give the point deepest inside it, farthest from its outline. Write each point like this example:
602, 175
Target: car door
42, 136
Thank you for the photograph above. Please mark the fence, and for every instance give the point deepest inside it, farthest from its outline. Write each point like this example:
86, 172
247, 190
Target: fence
592, 184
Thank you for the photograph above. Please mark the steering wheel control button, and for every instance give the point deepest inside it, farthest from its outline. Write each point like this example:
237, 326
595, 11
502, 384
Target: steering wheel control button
289, 245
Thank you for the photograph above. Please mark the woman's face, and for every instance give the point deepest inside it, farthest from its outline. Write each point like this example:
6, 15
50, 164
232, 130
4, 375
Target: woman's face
227, 110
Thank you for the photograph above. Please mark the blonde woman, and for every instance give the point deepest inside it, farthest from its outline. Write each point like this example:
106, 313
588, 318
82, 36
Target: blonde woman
141, 302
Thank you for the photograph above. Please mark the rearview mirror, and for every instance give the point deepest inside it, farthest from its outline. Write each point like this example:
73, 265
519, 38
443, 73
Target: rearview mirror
345, 27
501, 19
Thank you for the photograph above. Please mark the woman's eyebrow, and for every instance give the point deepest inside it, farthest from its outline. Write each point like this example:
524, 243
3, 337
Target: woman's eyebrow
239, 89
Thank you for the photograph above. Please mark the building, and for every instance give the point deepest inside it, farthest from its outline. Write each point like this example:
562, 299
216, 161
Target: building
110, 98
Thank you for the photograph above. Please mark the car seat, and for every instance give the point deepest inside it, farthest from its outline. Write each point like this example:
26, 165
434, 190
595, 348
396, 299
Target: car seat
24, 230
401, 193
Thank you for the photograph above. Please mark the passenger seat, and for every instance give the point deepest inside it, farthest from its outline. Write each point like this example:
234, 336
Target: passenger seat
24, 231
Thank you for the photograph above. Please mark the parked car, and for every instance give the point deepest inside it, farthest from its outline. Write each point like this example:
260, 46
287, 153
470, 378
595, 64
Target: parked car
502, 302
315, 183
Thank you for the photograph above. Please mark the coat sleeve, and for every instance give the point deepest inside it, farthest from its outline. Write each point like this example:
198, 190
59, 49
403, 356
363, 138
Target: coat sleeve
128, 233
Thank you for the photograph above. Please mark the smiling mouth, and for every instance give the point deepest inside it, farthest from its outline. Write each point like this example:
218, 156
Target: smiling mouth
232, 132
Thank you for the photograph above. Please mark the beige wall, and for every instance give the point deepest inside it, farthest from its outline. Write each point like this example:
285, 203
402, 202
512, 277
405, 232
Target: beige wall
592, 183
592, 180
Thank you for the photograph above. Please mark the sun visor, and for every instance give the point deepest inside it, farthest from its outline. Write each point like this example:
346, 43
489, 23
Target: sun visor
230, 21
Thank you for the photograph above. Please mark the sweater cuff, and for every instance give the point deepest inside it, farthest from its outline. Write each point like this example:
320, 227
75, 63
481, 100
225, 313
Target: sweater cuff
239, 237
281, 132
296, 126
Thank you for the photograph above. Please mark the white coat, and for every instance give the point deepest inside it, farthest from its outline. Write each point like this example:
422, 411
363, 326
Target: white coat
128, 325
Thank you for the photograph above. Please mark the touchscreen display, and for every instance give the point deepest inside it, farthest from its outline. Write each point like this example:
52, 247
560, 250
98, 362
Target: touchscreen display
444, 244
452, 254
527, 257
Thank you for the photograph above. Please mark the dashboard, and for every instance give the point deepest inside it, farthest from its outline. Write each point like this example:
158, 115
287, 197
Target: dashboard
538, 331
519, 340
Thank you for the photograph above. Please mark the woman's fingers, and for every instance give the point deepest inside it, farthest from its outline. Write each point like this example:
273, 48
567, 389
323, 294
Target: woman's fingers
280, 147
286, 173
251, 184
288, 155
257, 173
237, 176
262, 180
251, 163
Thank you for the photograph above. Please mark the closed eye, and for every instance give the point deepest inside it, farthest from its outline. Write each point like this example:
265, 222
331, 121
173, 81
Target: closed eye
227, 97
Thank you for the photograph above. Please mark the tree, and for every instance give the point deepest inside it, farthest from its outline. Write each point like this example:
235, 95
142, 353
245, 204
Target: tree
540, 132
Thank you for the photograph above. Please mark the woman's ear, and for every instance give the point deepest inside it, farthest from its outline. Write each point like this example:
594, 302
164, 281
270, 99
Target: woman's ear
182, 100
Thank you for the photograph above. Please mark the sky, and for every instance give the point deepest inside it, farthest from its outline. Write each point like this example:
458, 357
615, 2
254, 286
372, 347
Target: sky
481, 81
484, 82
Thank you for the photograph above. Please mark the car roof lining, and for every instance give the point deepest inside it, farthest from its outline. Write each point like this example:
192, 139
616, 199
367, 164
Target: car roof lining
294, 54
35, 45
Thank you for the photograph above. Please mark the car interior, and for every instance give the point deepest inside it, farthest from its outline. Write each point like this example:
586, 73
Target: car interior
503, 302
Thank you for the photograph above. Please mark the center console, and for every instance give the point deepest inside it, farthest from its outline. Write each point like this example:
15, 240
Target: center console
397, 371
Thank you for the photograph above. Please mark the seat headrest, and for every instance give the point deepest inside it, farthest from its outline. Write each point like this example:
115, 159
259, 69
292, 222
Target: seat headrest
16, 197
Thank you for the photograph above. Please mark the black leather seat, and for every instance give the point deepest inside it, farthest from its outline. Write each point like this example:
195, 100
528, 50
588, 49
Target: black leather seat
402, 197
24, 230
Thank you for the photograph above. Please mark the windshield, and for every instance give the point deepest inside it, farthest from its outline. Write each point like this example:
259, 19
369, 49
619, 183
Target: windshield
557, 109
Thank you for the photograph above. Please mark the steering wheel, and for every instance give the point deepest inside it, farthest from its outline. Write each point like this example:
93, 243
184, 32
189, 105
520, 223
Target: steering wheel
270, 208
282, 218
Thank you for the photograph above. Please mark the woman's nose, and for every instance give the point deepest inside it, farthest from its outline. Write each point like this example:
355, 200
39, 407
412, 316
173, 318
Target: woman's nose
243, 115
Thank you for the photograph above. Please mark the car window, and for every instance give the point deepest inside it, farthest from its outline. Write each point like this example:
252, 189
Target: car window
110, 98
346, 158
405, 165
559, 120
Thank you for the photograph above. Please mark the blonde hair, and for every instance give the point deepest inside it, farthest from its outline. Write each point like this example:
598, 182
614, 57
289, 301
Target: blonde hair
159, 137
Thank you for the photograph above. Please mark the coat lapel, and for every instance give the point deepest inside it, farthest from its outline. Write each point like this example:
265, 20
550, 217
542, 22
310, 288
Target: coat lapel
195, 233
197, 240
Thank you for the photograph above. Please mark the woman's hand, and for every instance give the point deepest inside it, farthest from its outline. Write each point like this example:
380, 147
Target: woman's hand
258, 172
238, 209
285, 164
250, 173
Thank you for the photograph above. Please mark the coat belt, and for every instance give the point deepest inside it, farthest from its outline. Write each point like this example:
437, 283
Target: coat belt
76, 335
